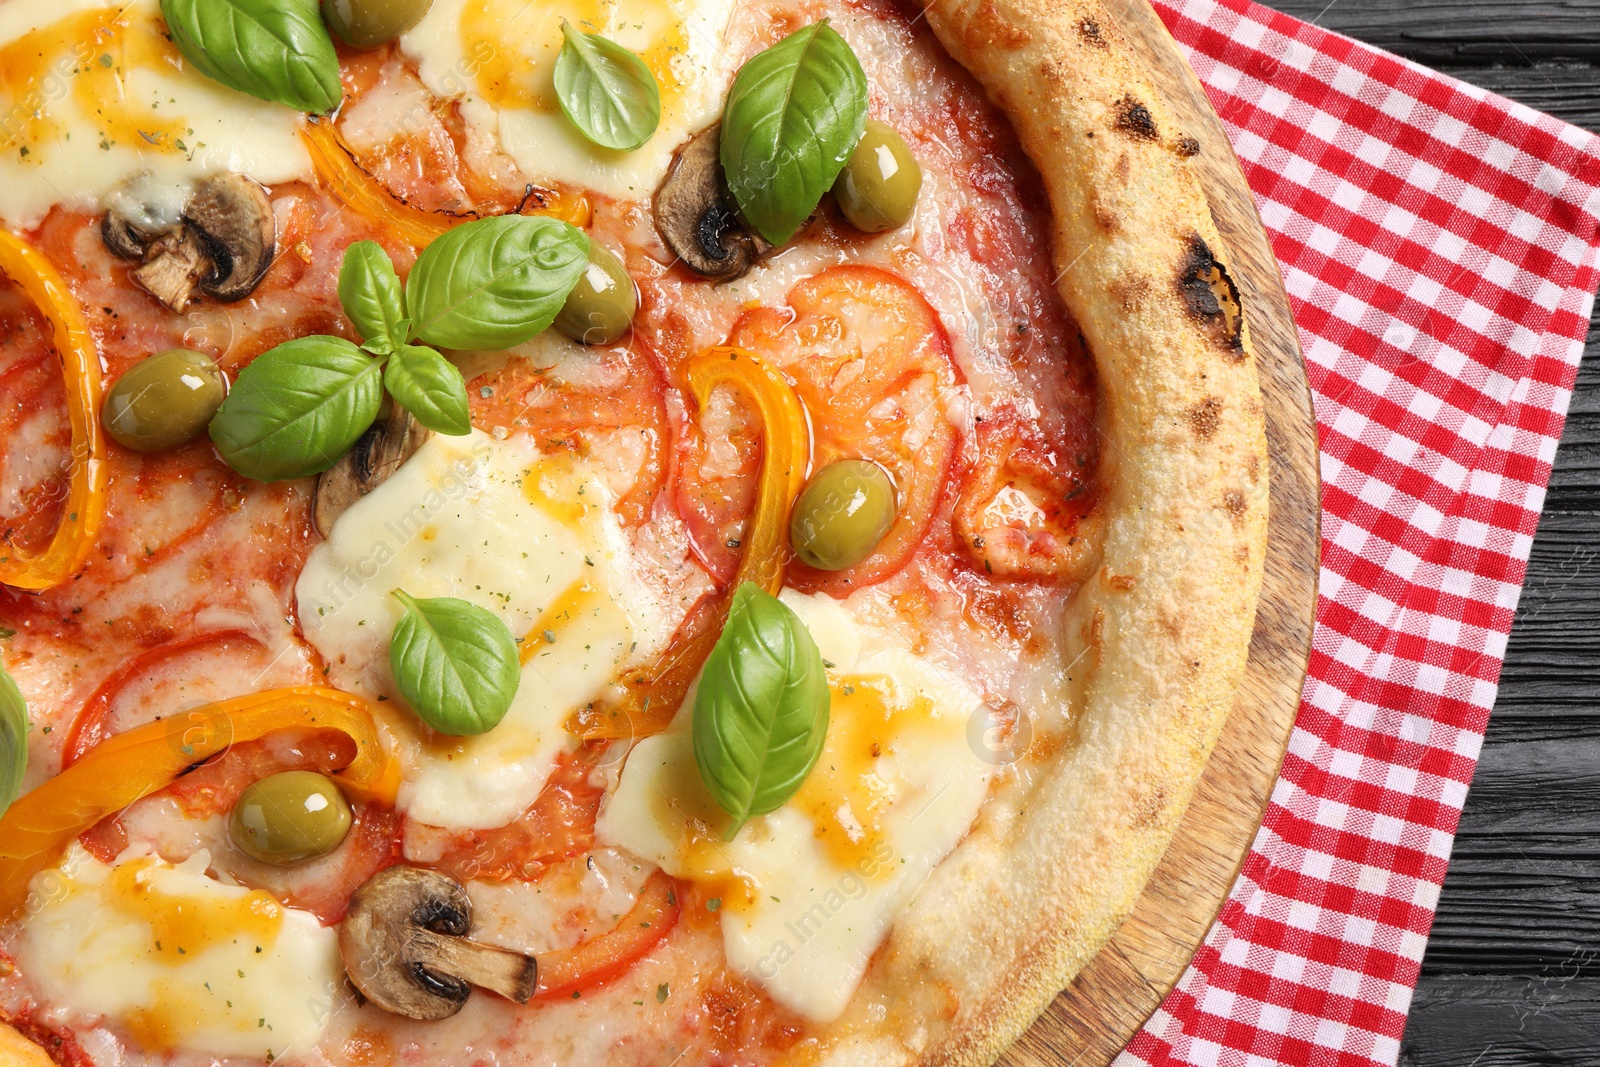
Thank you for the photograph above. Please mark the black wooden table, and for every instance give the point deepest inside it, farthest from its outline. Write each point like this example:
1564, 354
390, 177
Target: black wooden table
1512, 972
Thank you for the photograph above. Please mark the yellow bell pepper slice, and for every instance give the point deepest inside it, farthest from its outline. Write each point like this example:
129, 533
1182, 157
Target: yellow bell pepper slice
18, 1051
39, 826
356, 189
85, 503
651, 696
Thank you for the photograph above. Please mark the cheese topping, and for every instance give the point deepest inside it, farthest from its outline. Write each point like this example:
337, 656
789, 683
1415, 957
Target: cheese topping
178, 958
810, 891
498, 58
531, 538
93, 94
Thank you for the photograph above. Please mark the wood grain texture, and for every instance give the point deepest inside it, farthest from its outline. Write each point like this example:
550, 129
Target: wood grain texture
1463, 32
1089, 1023
1512, 972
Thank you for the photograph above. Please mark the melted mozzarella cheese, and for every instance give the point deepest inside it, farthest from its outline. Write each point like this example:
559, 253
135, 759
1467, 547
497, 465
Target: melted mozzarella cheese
178, 959
93, 95
810, 891
497, 57
529, 537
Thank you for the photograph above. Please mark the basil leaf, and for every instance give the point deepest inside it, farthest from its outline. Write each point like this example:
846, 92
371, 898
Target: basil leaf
761, 710
13, 740
455, 663
431, 388
496, 282
794, 116
273, 49
606, 91
297, 408
370, 291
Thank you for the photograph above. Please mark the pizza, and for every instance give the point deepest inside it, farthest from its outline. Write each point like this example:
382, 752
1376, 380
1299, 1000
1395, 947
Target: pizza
669, 531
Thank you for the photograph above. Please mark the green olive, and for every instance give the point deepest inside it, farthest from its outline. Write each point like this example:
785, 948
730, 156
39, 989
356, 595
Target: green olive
369, 23
163, 401
877, 190
289, 818
600, 307
843, 512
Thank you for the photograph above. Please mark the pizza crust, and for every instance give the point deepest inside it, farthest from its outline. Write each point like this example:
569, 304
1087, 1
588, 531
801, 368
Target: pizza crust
1159, 634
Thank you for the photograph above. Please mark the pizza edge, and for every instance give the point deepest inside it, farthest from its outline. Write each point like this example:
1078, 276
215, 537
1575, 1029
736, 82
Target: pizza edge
1164, 624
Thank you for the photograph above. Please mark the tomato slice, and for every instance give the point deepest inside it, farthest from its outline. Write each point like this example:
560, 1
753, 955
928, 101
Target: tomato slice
871, 361
92, 727
600, 959
556, 826
615, 410
1026, 507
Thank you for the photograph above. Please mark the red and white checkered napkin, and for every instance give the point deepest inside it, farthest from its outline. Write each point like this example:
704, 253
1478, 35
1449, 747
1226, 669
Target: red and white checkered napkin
1441, 253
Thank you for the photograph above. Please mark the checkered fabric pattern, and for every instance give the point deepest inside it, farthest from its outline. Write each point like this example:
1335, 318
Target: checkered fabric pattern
1440, 249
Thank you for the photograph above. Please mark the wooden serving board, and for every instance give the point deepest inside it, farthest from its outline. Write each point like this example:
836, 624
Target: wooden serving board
1093, 1019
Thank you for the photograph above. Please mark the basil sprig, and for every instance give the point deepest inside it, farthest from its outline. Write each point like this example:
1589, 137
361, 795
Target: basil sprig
455, 663
492, 283
794, 115
273, 49
496, 282
13, 740
373, 301
606, 91
761, 710
297, 408
430, 387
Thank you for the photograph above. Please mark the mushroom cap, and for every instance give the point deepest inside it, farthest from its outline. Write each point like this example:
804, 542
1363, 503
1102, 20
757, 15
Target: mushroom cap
121, 237
405, 948
233, 215
696, 216
376, 455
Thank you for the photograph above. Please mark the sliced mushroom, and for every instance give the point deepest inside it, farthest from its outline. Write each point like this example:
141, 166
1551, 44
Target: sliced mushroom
405, 947
122, 237
174, 265
221, 246
376, 455
233, 216
695, 214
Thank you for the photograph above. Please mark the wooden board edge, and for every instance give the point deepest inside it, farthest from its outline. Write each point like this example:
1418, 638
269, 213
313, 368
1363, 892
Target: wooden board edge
1091, 1022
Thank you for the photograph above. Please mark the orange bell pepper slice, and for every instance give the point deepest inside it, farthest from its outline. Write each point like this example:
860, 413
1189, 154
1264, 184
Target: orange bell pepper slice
651, 696
85, 503
600, 959
357, 190
133, 764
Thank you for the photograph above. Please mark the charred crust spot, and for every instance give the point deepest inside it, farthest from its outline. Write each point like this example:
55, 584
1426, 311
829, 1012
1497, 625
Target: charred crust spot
1188, 147
1131, 290
1135, 120
1205, 416
1105, 216
1152, 807
1212, 298
1233, 501
1091, 33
